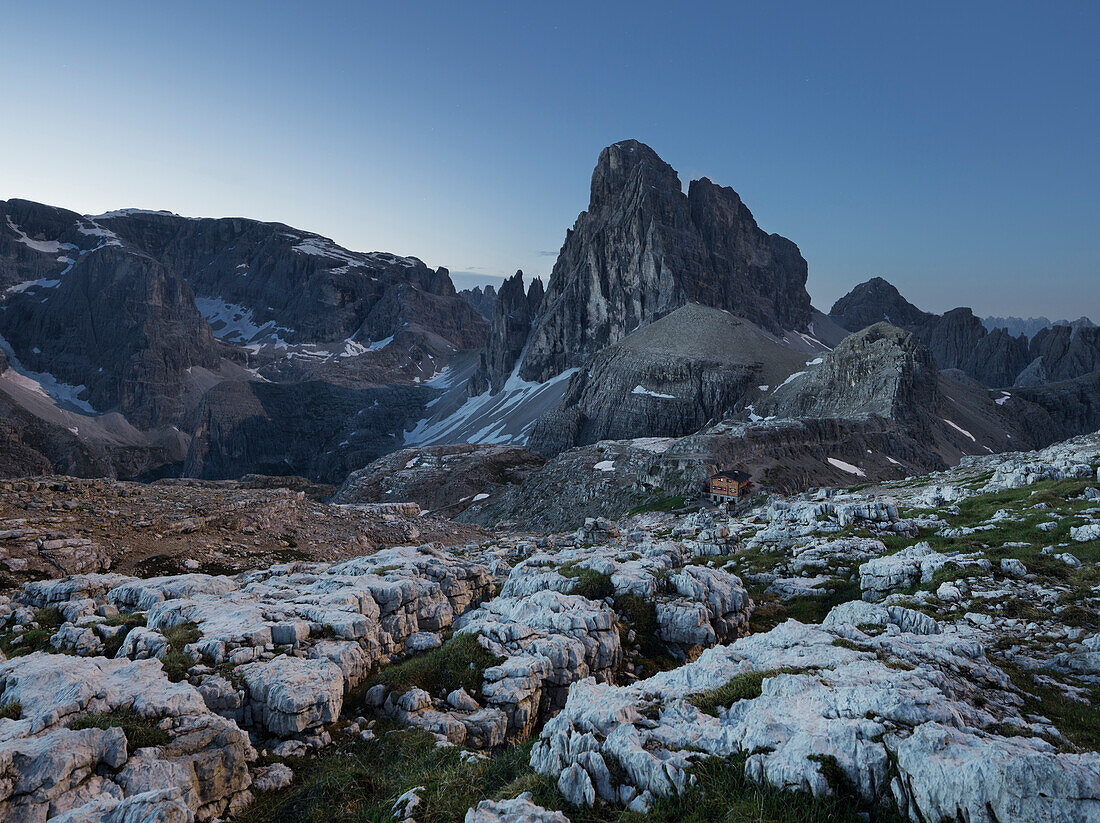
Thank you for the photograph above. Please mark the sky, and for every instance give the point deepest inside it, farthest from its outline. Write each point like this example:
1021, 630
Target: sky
948, 147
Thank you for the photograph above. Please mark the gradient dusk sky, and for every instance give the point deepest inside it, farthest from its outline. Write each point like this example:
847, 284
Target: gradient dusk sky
949, 147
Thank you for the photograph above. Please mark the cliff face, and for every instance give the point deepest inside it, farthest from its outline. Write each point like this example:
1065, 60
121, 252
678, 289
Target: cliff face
1067, 352
119, 324
512, 316
314, 429
312, 288
644, 248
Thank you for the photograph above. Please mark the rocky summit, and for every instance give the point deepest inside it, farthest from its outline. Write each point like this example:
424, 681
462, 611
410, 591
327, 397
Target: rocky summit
917, 649
644, 248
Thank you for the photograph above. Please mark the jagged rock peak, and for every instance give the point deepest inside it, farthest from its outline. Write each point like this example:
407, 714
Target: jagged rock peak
643, 249
509, 327
622, 164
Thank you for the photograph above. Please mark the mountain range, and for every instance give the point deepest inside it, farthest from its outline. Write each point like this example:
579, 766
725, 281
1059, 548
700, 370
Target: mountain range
143, 344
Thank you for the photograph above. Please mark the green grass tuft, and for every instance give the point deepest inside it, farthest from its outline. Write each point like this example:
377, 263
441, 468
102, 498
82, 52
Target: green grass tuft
358, 782
33, 640
175, 661
12, 710
459, 662
660, 503
591, 584
140, 731
747, 686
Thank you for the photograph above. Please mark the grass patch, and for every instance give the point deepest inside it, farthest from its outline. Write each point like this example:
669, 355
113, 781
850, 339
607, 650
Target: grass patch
33, 640
660, 503
591, 584
358, 782
128, 622
175, 661
140, 731
1079, 722
747, 686
721, 793
12, 710
639, 614
459, 662
770, 611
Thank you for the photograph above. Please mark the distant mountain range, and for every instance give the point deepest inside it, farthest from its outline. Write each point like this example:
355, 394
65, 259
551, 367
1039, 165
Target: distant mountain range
1030, 326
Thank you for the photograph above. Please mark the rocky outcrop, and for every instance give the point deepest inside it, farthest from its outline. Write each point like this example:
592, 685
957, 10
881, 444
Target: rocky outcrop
482, 300
959, 340
201, 768
1056, 410
513, 314
668, 379
881, 370
404, 305
644, 248
1064, 353
891, 712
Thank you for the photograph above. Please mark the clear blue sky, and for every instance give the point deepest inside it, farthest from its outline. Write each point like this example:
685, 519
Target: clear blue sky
950, 147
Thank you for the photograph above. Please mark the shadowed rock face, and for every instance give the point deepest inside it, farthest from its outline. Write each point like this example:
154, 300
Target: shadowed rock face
512, 315
1067, 352
482, 300
644, 248
118, 323
314, 289
313, 429
875, 301
124, 311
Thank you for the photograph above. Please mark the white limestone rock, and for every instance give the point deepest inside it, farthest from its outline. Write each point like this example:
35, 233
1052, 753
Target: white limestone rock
289, 695
518, 810
141, 643
1089, 531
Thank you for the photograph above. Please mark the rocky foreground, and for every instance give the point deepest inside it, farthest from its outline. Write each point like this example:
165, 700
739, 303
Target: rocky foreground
922, 650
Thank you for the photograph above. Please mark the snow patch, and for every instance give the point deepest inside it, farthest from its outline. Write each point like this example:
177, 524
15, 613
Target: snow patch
605, 466
794, 376
847, 467
235, 323
958, 428
645, 391
43, 246
44, 383
488, 418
